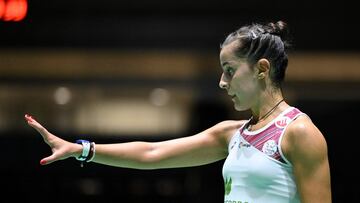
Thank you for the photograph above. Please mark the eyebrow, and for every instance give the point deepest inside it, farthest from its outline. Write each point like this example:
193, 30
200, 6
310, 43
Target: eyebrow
225, 63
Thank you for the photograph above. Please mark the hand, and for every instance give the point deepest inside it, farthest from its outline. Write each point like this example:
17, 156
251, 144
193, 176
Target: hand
61, 149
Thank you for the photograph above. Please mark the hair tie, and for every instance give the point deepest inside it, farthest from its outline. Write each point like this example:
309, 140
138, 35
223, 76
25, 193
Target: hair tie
253, 35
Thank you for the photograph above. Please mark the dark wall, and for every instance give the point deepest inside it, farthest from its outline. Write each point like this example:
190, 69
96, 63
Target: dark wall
315, 25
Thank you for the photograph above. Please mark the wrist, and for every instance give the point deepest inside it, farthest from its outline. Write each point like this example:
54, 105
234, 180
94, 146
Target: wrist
76, 150
86, 152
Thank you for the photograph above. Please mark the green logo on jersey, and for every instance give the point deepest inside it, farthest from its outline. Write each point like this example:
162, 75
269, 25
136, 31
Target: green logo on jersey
228, 182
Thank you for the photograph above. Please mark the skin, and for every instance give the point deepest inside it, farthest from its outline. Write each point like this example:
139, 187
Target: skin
250, 88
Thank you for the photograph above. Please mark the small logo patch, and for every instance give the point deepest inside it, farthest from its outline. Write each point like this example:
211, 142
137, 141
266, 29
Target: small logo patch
232, 146
282, 122
243, 144
269, 147
228, 182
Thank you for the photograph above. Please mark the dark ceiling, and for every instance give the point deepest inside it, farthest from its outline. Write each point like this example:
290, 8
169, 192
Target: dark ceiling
201, 24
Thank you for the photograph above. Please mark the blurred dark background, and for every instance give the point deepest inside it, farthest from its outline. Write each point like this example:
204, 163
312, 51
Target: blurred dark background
117, 71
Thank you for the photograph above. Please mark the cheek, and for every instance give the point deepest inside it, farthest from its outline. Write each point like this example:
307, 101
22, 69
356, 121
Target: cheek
244, 86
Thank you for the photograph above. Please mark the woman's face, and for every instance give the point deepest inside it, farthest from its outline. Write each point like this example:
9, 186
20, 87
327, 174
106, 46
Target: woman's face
238, 78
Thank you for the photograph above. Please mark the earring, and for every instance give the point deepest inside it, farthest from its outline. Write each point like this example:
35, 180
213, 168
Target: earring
261, 76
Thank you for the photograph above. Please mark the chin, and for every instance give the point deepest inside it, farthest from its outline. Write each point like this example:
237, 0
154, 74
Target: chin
240, 108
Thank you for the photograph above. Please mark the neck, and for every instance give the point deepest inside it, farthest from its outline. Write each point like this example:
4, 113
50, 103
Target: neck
268, 104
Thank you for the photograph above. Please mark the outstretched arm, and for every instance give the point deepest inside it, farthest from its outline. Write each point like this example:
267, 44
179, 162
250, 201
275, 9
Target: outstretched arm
203, 148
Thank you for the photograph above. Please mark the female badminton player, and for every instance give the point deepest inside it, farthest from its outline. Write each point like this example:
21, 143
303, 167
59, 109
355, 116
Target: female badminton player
278, 155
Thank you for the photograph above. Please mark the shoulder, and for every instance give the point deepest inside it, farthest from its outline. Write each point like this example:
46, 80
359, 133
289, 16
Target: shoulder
226, 129
303, 141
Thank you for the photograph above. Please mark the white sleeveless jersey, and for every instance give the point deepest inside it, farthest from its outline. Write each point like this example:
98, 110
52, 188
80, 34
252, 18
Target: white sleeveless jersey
255, 170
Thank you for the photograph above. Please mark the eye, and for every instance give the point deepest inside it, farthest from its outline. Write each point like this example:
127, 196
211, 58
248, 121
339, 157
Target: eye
229, 72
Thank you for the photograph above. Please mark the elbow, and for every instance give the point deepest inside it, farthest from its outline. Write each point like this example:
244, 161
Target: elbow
150, 160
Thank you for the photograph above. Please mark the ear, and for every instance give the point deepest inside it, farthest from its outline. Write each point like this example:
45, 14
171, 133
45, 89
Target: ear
263, 67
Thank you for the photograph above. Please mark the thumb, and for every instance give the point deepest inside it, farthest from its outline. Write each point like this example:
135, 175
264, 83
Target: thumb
48, 160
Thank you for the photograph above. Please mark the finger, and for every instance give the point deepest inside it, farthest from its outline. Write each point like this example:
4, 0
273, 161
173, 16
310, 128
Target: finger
37, 126
48, 160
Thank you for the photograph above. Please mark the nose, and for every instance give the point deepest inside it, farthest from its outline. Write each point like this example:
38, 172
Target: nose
223, 84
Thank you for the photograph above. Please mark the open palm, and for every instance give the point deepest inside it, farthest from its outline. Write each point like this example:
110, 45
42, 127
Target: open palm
61, 149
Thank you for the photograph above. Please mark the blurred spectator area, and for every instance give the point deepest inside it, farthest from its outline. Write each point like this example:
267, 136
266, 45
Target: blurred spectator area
116, 92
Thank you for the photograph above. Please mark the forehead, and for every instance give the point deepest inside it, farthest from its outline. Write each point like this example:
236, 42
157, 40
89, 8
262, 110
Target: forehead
227, 53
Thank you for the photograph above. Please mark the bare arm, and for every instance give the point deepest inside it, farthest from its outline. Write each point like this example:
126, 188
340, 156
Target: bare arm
203, 148
306, 148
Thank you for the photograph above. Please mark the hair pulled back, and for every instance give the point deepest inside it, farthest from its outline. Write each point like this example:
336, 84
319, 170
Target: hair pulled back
269, 41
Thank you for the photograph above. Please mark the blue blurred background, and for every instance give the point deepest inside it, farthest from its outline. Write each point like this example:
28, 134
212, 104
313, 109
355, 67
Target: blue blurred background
117, 71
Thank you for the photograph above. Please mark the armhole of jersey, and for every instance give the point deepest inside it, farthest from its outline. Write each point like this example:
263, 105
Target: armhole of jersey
281, 137
237, 133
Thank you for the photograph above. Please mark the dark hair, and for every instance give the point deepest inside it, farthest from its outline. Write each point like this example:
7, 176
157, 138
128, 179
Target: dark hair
268, 41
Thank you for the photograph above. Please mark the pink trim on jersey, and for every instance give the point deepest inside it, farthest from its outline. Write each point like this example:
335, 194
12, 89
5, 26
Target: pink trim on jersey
270, 134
